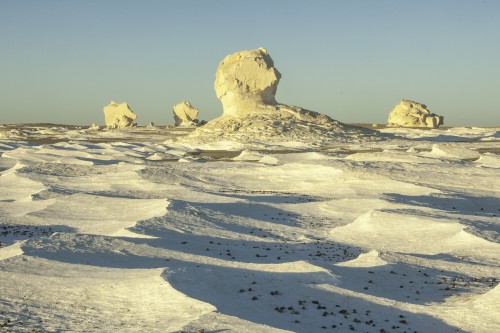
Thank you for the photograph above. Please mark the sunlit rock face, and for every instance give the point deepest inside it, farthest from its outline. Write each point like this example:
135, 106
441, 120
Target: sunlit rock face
185, 114
246, 82
413, 114
118, 115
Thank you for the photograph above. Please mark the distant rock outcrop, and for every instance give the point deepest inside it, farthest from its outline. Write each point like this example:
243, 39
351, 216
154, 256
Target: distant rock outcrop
413, 114
246, 84
118, 115
185, 114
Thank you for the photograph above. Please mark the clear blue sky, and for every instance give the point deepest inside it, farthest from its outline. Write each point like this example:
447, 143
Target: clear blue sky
63, 61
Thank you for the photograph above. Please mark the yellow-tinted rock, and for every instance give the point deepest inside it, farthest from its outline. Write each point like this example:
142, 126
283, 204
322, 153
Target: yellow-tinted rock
118, 115
246, 82
185, 114
413, 114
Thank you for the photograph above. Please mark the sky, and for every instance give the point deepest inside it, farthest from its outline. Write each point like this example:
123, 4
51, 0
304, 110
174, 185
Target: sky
63, 61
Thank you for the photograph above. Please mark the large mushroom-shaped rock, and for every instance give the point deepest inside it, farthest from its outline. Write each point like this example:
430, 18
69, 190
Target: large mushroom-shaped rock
246, 82
413, 114
185, 114
118, 115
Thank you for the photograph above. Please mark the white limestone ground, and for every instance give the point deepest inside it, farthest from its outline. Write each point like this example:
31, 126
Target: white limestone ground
119, 236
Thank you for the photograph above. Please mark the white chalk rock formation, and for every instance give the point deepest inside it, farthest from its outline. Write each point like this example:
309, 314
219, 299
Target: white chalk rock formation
185, 114
246, 84
118, 115
413, 114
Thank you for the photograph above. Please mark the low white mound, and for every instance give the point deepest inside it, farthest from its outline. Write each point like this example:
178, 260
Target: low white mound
307, 157
217, 145
489, 300
61, 153
246, 84
270, 160
389, 156
32, 154
285, 123
49, 131
489, 160
187, 159
99, 214
494, 136
475, 314
118, 178
370, 259
75, 160
454, 151
82, 298
16, 194
253, 156
290, 177
299, 266
385, 231
162, 157
248, 155
11, 250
